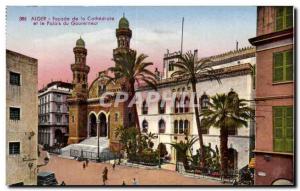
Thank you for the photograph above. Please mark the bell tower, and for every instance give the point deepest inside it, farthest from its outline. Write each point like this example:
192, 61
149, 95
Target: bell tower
78, 99
123, 34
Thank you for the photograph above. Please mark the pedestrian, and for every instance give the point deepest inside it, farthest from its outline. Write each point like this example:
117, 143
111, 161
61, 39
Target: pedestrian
87, 162
123, 184
83, 165
135, 182
114, 165
63, 183
105, 175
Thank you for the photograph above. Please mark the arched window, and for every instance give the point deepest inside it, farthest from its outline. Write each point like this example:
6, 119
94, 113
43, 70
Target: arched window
204, 100
145, 107
181, 105
204, 128
186, 126
161, 126
181, 130
175, 127
186, 104
176, 105
145, 126
161, 106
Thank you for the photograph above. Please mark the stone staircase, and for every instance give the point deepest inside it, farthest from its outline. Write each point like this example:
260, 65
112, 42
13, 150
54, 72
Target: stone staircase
89, 145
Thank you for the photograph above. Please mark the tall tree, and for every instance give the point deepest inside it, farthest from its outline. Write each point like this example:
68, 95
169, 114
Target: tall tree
190, 69
131, 69
225, 112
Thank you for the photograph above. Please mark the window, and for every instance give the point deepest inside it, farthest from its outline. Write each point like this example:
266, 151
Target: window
204, 128
181, 131
58, 118
283, 131
204, 101
161, 106
161, 126
73, 118
175, 126
58, 107
176, 105
145, 126
171, 65
145, 108
14, 148
186, 104
14, 113
14, 78
283, 66
116, 117
284, 18
186, 126
232, 130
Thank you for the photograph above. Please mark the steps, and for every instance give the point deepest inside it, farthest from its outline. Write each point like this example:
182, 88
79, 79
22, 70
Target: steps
90, 145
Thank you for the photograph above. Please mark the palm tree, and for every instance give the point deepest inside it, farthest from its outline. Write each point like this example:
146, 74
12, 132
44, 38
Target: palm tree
191, 69
184, 149
132, 69
225, 112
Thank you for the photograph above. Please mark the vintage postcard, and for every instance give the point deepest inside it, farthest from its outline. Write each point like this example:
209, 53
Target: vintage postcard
150, 95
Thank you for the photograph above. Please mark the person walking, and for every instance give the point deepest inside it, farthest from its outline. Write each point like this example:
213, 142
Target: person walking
123, 184
104, 175
83, 165
114, 165
135, 182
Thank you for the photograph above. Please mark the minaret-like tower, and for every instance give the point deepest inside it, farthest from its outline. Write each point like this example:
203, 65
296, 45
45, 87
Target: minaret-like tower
77, 101
123, 34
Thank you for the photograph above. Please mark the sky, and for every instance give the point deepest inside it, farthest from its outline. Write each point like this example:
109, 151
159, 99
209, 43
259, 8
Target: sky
211, 30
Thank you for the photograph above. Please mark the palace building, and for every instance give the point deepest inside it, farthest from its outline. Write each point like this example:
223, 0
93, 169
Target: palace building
87, 118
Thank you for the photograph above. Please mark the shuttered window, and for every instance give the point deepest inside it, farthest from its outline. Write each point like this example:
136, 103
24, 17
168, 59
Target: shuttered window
283, 66
284, 18
283, 129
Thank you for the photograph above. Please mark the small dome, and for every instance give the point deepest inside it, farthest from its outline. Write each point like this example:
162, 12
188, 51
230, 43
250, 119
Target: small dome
80, 43
123, 23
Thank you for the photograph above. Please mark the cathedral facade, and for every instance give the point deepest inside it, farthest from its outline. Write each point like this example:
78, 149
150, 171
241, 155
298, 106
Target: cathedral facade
87, 117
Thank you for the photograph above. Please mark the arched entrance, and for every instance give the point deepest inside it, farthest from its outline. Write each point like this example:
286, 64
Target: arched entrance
103, 125
93, 125
232, 159
58, 135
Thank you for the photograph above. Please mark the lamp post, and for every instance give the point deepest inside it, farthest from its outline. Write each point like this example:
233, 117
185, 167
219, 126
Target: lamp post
98, 144
159, 166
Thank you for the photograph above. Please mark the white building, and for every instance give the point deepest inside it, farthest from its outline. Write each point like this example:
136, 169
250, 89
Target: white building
54, 113
234, 71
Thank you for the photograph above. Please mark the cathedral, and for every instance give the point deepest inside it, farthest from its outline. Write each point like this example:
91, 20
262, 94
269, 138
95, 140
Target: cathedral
87, 118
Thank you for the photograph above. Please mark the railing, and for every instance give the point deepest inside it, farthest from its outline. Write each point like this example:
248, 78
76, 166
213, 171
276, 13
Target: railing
82, 155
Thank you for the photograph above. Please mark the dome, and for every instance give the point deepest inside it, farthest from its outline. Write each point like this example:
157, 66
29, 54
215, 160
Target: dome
123, 23
80, 42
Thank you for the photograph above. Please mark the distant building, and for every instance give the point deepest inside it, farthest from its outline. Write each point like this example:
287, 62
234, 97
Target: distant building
21, 119
54, 113
274, 147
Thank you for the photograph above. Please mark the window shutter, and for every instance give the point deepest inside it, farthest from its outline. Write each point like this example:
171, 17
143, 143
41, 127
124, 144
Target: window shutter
278, 129
289, 65
289, 131
288, 17
278, 66
279, 18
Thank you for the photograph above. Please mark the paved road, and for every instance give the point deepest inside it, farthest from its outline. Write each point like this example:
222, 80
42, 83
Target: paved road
72, 172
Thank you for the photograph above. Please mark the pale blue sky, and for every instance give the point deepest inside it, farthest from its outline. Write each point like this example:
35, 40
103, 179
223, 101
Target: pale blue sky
211, 30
